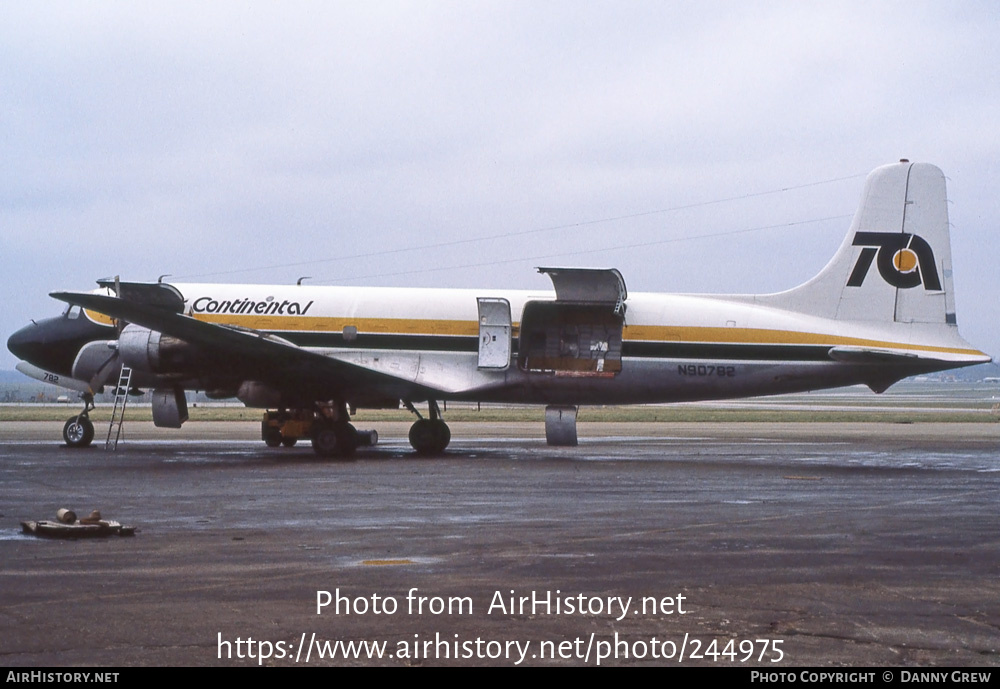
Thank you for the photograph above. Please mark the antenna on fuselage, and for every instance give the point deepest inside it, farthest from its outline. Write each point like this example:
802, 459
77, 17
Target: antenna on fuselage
304, 277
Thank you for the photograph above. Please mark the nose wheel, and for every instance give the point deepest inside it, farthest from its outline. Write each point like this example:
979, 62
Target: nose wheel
78, 431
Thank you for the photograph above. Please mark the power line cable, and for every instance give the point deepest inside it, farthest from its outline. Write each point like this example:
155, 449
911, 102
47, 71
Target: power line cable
582, 252
522, 233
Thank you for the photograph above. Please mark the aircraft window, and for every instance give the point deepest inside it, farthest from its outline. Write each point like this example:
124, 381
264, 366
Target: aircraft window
71, 312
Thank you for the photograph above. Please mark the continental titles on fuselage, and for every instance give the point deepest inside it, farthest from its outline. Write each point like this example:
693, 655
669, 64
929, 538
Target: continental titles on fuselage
267, 307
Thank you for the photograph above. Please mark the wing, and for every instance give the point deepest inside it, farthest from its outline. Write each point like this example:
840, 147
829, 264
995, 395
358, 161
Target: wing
264, 357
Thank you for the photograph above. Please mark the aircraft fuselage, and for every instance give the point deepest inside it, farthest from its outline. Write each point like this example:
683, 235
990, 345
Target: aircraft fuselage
881, 310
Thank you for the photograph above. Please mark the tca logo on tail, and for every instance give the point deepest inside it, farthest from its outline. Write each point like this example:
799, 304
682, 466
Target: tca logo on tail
904, 260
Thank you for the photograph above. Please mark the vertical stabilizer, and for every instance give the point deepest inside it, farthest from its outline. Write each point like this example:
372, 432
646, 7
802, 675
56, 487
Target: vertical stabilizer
895, 263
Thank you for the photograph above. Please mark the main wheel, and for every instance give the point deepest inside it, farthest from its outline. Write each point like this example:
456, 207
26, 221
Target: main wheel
334, 440
347, 435
78, 431
442, 436
429, 436
288, 442
325, 442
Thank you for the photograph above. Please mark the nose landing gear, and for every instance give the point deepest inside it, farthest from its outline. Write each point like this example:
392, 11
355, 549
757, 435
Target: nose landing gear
78, 430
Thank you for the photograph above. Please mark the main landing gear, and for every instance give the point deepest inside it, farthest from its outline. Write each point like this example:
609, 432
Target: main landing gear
334, 438
429, 436
79, 430
327, 426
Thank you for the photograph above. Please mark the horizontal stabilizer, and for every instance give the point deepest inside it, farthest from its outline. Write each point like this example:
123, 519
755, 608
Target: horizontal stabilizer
871, 355
862, 355
885, 367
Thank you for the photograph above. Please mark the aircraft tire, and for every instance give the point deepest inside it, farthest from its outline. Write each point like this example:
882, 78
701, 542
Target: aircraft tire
429, 436
347, 436
78, 431
289, 442
325, 442
442, 436
334, 440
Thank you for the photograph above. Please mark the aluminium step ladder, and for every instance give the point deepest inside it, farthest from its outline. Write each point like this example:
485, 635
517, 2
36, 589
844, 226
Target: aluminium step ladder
118, 415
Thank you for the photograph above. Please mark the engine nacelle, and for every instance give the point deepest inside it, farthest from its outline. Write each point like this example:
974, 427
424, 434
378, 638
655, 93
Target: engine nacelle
169, 408
151, 351
256, 394
221, 393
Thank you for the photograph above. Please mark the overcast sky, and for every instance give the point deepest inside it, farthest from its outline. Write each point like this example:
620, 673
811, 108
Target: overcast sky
697, 147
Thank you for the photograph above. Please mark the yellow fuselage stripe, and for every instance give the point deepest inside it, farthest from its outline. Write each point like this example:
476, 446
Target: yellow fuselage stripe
633, 333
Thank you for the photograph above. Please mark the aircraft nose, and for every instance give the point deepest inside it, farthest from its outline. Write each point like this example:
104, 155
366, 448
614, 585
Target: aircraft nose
52, 344
22, 342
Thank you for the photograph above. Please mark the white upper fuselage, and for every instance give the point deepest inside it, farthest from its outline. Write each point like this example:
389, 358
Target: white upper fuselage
681, 318
675, 347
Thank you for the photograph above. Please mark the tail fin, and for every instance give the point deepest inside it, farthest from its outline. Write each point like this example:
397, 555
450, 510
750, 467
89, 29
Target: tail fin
895, 263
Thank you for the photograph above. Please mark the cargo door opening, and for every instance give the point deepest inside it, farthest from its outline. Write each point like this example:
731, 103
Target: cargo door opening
570, 339
580, 333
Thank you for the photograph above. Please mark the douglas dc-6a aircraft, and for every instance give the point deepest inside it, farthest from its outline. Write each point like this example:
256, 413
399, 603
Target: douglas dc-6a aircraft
881, 310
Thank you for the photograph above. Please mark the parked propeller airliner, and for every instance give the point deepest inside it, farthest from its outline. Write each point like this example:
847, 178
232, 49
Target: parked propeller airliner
881, 310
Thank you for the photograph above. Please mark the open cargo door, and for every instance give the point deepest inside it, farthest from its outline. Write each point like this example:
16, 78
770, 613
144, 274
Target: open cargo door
580, 333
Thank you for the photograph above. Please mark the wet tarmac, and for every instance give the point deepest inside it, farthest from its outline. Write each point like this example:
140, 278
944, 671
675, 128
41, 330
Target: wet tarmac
727, 545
